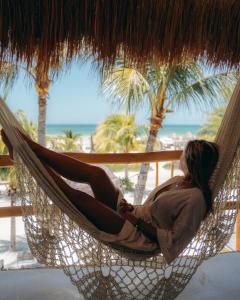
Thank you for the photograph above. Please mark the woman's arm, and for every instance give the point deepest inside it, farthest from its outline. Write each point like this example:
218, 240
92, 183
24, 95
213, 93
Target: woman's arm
144, 227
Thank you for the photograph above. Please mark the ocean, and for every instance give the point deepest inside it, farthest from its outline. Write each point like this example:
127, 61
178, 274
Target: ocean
89, 129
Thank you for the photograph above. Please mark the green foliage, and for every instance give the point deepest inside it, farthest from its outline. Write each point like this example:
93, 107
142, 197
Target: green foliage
121, 167
70, 135
3, 148
209, 130
126, 85
173, 86
4, 172
127, 184
66, 143
118, 133
9, 174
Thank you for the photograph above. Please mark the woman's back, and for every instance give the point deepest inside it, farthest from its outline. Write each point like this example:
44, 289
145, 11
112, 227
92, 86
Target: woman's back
176, 213
166, 201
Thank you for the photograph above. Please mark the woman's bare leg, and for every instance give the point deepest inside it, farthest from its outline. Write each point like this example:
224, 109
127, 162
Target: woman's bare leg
98, 213
103, 188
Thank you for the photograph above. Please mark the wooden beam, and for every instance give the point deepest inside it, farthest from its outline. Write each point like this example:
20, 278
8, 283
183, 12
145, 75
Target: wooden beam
16, 211
116, 158
123, 158
5, 161
10, 211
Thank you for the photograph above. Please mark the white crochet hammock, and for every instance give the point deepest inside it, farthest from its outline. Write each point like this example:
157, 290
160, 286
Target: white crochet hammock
60, 236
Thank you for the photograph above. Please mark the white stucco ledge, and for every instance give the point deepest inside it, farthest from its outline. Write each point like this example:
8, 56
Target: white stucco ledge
218, 278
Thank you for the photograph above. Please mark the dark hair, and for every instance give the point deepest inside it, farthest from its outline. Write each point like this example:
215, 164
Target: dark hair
201, 158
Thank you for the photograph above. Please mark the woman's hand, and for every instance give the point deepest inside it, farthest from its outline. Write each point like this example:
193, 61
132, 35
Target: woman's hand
125, 207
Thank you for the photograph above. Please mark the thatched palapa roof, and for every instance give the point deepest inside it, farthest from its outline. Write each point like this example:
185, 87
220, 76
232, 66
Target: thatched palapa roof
167, 30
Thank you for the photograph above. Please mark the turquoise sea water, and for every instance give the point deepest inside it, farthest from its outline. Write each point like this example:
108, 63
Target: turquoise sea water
88, 129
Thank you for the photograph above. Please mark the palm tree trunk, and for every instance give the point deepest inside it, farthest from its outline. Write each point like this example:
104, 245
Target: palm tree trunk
42, 86
142, 177
41, 120
92, 145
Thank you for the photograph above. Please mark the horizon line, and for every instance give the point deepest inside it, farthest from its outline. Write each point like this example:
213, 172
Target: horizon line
174, 124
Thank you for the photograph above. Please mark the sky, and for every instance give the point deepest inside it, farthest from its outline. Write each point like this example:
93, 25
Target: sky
76, 98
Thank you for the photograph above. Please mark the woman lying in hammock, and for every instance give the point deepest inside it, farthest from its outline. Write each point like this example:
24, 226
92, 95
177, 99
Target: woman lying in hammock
169, 218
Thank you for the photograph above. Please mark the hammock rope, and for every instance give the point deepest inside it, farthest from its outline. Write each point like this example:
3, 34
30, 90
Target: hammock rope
60, 236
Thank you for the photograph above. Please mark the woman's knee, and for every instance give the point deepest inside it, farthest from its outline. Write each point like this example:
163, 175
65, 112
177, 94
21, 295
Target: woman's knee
99, 173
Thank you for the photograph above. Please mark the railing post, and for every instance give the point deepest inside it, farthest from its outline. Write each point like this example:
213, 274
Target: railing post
238, 231
172, 168
156, 179
13, 222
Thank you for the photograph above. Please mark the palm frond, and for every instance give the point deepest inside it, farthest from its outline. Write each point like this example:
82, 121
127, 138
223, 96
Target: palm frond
209, 129
182, 77
125, 86
8, 75
118, 133
205, 92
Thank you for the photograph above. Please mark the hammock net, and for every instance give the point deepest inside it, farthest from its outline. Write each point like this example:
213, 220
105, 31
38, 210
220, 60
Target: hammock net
60, 236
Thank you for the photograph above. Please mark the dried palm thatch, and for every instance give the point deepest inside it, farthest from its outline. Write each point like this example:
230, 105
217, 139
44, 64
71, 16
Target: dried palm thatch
165, 30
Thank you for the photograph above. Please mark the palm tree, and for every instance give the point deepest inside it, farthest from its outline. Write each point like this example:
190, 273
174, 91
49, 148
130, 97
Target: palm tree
209, 130
42, 83
42, 80
118, 133
9, 73
66, 143
164, 88
70, 141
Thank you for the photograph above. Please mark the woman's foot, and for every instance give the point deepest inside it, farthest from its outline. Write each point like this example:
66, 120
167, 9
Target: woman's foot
7, 143
36, 148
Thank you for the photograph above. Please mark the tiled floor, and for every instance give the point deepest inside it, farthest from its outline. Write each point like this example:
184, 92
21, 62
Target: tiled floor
216, 279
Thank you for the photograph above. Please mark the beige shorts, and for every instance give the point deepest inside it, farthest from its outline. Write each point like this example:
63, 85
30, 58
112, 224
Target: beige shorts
130, 236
